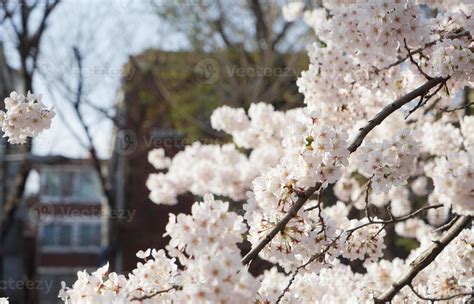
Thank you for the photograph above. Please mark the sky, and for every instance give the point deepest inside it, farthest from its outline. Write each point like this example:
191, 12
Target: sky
107, 32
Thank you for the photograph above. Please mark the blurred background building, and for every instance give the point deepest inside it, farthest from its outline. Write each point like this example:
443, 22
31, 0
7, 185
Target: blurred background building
66, 214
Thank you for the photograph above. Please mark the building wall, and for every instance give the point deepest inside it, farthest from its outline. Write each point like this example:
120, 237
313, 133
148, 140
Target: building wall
67, 217
145, 124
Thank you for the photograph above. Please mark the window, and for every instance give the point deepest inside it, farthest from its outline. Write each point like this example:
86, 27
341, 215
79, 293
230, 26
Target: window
52, 184
48, 235
69, 184
89, 234
71, 234
87, 186
65, 235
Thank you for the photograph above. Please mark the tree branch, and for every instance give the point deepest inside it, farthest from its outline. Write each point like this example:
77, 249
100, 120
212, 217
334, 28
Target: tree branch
441, 298
429, 44
143, 298
397, 104
302, 198
349, 232
423, 260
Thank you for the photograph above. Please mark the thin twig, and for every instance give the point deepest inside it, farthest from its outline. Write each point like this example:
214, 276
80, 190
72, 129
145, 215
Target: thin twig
418, 51
414, 61
419, 105
349, 232
393, 219
446, 226
154, 294
367, 193
465, 294
458, 108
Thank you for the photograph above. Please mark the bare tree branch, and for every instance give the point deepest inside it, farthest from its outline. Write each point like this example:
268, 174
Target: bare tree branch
457, 108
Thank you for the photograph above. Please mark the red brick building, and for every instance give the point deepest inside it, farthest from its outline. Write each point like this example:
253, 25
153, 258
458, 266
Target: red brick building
66, 214
145, 123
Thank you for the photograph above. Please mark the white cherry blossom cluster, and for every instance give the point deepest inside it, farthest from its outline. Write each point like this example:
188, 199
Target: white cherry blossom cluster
25, 116
452, 271
450, 275
293, 10
440, 138
223, 170
155, 274
374, 31
157, 158
453, 178
467, 130
350, 191
389, 162
366, 243
313, 154
211, 272
453, 58
352, 65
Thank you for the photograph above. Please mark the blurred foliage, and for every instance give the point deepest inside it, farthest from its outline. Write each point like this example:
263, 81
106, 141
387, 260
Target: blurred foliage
172, 94
406, 243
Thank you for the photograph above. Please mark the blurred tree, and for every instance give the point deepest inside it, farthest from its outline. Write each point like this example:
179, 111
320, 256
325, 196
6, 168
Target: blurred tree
248, 52
25, 23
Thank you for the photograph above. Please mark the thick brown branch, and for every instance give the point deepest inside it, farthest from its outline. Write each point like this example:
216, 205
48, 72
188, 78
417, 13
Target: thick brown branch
428, 256
397, 104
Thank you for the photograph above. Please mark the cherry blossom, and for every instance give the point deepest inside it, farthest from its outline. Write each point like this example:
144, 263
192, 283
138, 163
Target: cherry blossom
25, 116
